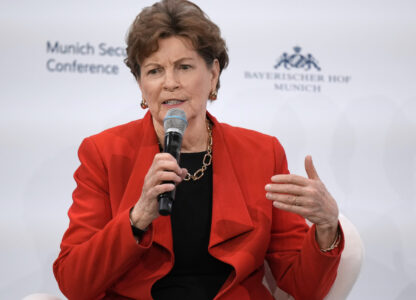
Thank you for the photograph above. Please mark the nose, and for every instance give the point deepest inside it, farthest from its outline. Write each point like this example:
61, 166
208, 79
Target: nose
171, 82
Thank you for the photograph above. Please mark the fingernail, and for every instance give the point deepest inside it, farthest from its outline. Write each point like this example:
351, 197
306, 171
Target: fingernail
268, 195
267, 187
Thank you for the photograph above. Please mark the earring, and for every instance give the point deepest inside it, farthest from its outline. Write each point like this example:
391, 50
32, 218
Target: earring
213, 95
143, 104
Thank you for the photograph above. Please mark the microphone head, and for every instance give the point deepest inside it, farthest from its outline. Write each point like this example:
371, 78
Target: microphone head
175, 120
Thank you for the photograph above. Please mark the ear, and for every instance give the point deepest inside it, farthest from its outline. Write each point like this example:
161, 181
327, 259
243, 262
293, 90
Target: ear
215, 71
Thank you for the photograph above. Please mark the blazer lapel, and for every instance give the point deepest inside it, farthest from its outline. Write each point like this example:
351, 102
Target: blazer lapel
230, 216
162, 230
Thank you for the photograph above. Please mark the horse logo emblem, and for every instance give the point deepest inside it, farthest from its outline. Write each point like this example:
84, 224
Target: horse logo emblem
297, 61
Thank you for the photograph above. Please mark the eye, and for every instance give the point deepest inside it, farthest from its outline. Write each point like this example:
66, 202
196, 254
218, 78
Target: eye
153, 71
185, 67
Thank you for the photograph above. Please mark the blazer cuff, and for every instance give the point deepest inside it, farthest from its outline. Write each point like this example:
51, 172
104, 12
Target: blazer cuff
334, 252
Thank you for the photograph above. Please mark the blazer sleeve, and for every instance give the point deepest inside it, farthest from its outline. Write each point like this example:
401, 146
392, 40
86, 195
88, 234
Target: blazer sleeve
298, 265
97, 248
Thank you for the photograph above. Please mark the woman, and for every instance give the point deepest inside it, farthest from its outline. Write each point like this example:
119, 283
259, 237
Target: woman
235, 203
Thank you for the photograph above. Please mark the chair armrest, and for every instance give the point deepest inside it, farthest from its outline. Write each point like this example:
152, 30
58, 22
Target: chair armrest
348, 269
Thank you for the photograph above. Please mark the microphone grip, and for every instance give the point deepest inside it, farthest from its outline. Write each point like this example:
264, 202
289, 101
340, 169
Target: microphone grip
166, 201
165, 204
173, 143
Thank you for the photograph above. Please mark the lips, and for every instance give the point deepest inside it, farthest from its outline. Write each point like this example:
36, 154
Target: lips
173, 102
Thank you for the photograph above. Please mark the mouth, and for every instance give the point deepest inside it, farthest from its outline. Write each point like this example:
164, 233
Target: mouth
173, 102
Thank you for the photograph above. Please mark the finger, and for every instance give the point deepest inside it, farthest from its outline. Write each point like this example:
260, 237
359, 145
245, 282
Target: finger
287, 199
284, 188
162, 176
290, 178
183, 173
310, 168
167, 165
160, 189
291, 208
164, 156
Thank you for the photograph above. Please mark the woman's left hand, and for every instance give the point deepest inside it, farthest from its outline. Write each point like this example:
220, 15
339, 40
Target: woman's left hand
309, 198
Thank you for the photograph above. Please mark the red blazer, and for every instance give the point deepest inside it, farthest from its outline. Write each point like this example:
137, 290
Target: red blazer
100, 258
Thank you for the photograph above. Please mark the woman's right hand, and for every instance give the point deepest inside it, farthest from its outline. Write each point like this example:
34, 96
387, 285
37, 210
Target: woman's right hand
164, 168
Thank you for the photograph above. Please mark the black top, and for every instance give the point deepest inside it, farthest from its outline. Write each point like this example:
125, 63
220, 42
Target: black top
195, 273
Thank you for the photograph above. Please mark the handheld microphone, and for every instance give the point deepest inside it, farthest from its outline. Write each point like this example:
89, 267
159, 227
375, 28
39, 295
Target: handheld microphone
175, 124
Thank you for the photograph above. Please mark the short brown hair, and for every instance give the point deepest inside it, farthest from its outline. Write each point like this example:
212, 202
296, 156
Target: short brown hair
169, 18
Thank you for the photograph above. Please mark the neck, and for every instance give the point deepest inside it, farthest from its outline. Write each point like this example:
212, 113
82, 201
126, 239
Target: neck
195, 138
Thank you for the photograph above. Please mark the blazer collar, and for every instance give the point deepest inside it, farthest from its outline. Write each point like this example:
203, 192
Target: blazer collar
230, 216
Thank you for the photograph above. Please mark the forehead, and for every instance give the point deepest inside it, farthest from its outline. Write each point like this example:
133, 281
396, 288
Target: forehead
172, 49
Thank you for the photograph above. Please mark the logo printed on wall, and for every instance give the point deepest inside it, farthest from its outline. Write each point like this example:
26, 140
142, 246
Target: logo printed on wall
297, 61
298, 72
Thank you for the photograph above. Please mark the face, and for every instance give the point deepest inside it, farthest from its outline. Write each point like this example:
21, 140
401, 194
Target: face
177, 76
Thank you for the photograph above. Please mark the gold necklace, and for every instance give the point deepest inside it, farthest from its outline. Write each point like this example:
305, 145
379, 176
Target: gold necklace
206, 161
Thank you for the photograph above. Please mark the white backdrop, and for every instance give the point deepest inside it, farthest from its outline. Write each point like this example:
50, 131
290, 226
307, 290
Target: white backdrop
356, 116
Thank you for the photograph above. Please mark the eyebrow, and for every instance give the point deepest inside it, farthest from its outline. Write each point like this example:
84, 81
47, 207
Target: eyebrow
176, 62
